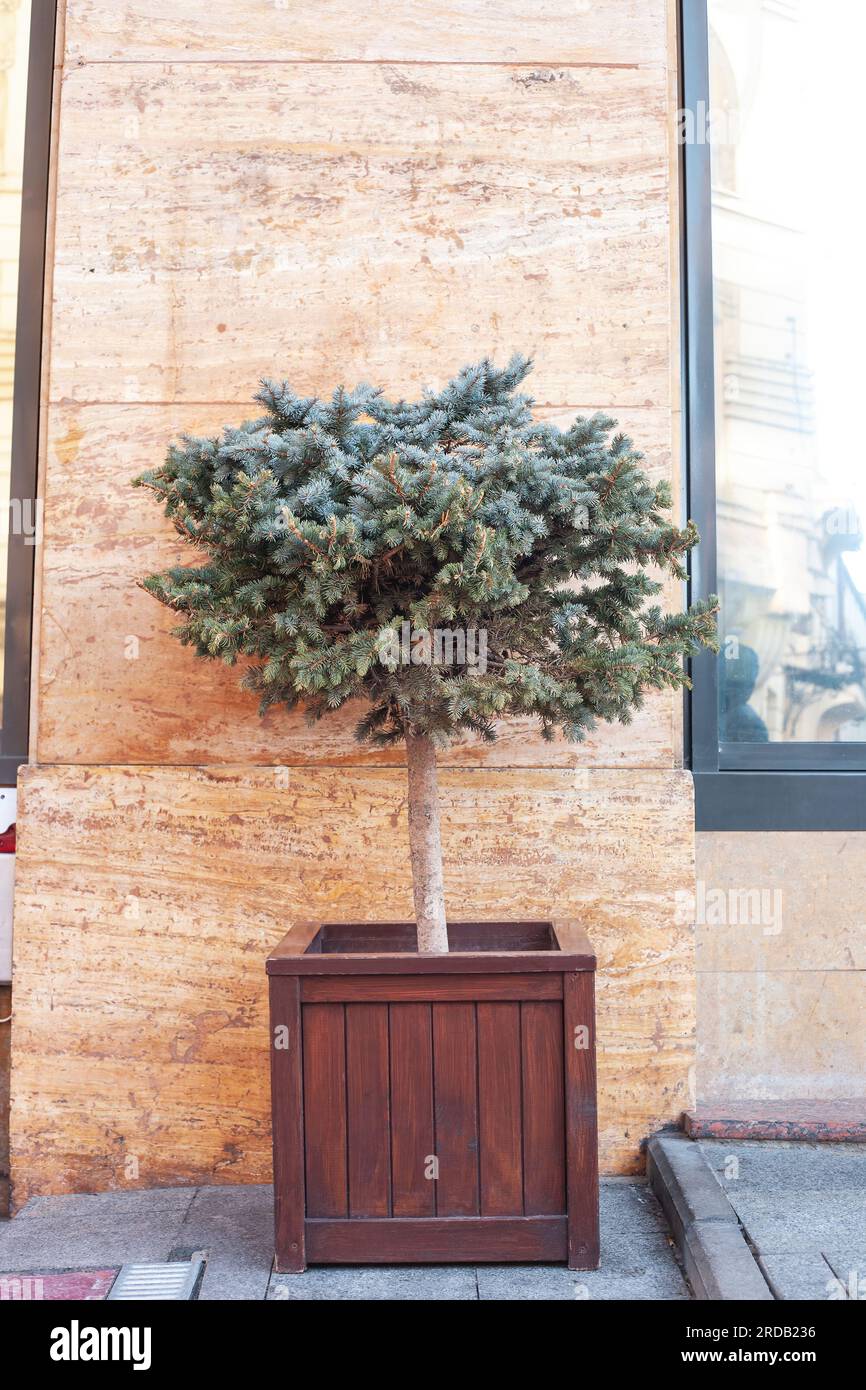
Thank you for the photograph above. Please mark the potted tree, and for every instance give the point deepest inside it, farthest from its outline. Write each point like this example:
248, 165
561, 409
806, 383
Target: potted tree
449, 562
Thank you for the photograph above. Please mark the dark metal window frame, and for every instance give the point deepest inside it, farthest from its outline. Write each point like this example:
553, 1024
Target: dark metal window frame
26, 390
738, 786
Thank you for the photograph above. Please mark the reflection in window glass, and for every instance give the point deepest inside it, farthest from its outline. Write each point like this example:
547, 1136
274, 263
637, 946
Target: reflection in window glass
790, 308
14, 39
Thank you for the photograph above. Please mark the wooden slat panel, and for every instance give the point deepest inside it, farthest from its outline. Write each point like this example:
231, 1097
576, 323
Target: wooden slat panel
440, 1240
368, 1109
581, 1124
405, 989
455, 1088
543, 1109
499, 1117
412, 1132
288, 1123
325, 1109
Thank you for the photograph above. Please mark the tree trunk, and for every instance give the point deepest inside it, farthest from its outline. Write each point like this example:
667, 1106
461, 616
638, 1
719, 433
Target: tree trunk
425, 844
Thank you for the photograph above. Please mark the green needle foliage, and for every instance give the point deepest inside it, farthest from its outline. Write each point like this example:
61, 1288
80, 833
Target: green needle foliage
322, 527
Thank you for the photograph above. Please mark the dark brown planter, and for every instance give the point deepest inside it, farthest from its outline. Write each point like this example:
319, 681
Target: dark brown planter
388, 1065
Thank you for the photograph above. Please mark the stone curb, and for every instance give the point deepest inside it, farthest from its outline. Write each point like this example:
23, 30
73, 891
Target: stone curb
710, 1239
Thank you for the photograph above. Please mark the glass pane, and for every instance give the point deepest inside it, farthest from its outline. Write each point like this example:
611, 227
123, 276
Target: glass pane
14, 40
790, 305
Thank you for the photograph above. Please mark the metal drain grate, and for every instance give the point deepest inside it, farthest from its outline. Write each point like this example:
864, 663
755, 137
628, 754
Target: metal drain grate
176, 1281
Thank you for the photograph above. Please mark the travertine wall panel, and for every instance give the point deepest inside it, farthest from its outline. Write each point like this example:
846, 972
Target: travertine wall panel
502, 31
781, 958
775, 1035
5, 1060
148, 899
370, 222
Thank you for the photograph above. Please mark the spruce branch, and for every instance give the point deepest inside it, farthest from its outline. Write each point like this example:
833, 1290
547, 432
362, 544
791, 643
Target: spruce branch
328, 521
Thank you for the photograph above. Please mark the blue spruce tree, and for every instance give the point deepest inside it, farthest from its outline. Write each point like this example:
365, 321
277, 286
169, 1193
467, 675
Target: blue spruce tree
352, 548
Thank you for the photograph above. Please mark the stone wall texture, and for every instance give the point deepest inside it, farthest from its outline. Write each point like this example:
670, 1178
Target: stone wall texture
781, 959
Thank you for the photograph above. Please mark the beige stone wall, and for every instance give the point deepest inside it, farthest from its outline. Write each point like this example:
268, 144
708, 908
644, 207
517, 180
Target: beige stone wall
781, 957
150, 898
334, 221
330, 192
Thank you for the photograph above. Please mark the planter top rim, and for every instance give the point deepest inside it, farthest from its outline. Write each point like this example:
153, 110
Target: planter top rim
322, 948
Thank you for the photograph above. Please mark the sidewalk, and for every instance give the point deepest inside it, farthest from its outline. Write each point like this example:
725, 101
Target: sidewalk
233, 1225
802, 1207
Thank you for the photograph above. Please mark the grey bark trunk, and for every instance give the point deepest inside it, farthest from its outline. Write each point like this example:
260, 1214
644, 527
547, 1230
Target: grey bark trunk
425, 845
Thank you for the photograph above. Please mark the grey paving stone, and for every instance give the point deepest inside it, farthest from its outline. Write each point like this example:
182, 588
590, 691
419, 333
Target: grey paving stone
107, 1206
778, 1166
790, 1222
660, 1280
423, 1283
235, 1227
802, 1276
849, 1267
629, 1206
630, 1252
77, 1242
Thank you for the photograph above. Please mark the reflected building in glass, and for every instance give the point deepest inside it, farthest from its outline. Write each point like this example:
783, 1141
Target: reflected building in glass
789, 490
14, 45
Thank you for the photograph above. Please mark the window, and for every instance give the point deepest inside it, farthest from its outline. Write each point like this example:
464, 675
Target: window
775, 296
26, 61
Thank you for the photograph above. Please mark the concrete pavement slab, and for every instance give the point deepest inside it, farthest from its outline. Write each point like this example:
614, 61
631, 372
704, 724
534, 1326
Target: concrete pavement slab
127, 1205
235, 1226
629, 1205
402, 1283
802, 1276
801, 1219
87, 1242
779, 1167
660, 1279
849, 1268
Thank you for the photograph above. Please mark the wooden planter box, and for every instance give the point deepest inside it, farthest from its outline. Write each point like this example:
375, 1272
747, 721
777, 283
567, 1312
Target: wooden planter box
434, 1108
